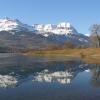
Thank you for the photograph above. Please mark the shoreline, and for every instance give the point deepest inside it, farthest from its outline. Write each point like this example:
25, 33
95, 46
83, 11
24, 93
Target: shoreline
88, 52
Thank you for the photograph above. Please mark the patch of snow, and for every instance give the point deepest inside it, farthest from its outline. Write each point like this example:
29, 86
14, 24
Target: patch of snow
8, 24
46, 35
60, 29
87, 35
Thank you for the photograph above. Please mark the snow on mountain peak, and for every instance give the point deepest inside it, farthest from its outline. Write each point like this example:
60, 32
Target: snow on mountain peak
64, 25
49, 27
8, 24
60, 29
14, 25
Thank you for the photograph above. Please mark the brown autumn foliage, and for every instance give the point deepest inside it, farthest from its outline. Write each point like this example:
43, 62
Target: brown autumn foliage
54, 47
69, 44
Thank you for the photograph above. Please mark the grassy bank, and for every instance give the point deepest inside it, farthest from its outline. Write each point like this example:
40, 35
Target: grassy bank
88, 52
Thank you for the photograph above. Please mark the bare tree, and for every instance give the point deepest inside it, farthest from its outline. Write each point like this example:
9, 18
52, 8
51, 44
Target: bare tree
95, 34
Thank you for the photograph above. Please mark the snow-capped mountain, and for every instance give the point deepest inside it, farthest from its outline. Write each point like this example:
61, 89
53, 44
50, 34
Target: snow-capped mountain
60, 29
12, 25
61, 33
14, 33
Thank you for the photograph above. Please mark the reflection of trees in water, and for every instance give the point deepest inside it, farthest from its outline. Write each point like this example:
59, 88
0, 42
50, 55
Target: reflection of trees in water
96, 75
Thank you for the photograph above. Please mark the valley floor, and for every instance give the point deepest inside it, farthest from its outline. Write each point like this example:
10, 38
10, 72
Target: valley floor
87, 52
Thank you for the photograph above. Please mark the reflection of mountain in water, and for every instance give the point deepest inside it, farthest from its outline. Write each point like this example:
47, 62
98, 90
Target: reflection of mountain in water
7, 81
62, 76
15, 70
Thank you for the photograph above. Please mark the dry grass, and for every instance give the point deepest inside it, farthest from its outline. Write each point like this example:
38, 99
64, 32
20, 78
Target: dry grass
88, 52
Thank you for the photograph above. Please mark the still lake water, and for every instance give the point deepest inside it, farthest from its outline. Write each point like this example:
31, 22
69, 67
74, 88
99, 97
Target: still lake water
39, 78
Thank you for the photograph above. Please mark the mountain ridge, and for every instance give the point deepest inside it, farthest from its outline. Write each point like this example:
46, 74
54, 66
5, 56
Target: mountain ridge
16, 34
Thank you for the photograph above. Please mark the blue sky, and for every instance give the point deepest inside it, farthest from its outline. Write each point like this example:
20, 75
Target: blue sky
80, 13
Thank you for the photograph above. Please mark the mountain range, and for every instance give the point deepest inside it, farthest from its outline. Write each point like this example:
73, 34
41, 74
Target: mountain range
17, 35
